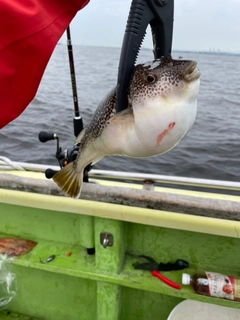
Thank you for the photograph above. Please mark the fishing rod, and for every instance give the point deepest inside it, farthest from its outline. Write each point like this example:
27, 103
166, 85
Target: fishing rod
77, 120
70, 154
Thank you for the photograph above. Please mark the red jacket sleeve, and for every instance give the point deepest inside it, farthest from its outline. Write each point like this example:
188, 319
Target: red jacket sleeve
29, 32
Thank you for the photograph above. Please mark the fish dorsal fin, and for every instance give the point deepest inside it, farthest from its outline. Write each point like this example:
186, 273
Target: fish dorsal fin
80, 136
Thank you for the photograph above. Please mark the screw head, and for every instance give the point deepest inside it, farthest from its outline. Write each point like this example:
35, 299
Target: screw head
106, 239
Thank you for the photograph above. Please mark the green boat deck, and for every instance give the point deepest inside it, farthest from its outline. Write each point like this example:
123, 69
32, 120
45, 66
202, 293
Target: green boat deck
105, 285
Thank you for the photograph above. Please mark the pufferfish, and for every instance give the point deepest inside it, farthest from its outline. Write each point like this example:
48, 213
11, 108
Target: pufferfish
162, 107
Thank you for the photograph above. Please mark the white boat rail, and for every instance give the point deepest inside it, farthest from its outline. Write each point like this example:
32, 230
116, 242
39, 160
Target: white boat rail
6, 164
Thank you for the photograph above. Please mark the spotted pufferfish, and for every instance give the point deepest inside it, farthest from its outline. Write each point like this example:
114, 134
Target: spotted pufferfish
162, 107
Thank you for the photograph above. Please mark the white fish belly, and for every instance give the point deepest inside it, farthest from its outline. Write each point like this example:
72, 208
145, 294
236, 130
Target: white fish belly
153, 132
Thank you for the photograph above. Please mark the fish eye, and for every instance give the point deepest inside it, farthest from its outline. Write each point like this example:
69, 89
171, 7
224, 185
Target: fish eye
151, 78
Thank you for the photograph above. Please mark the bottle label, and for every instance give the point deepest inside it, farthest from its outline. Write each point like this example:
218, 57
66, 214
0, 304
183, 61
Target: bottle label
223, 286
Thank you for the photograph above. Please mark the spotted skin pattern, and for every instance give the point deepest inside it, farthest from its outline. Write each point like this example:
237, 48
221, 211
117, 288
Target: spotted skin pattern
99, 121
169, 73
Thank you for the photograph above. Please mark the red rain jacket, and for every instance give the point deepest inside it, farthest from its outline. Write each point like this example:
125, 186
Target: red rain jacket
29, 31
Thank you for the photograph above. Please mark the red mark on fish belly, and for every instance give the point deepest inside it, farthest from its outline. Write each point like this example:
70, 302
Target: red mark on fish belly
163, 134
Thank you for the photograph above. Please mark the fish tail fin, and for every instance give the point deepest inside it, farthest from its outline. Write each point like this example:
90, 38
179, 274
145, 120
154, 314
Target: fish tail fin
69, 179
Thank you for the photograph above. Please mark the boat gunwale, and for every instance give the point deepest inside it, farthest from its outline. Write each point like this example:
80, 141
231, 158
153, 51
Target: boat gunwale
158, 218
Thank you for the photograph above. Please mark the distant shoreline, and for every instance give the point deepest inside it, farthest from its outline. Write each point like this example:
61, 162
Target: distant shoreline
209, 52
174, 51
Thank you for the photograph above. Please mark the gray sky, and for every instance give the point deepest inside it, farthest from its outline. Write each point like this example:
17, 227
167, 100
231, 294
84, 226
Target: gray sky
198, 25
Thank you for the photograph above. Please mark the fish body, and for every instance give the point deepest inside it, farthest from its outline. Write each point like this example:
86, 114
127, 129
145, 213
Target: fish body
161, 110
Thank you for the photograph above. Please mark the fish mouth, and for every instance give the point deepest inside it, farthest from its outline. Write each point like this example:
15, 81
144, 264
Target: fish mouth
191, 72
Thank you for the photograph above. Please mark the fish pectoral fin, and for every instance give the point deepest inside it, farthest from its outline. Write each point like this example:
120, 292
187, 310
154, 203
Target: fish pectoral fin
79, 137
125, 115
69, 179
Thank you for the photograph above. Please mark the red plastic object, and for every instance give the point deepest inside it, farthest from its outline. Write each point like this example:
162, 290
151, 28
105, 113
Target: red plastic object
29, 32
166, 280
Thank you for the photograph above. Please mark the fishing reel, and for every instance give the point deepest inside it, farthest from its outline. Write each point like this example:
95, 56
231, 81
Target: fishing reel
63, 156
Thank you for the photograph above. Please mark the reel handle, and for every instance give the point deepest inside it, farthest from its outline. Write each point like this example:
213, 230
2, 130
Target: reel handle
46, 136
49, 173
